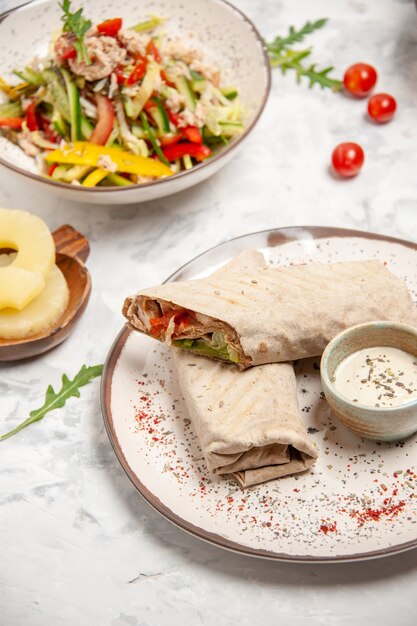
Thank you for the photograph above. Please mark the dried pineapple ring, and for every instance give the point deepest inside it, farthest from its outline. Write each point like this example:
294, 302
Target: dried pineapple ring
42, 313
24, 278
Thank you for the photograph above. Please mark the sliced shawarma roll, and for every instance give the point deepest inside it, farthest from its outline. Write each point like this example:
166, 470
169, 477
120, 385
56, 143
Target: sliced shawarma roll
256, 315
248, 423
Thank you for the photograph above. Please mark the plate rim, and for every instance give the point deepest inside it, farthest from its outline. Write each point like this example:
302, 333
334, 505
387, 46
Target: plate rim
281, 235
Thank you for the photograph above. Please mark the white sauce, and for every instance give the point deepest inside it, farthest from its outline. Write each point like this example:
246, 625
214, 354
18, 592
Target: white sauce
378, 377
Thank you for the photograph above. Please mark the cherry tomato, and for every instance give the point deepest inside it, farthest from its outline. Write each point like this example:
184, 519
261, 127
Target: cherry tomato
360, 79
347, 159
381, 107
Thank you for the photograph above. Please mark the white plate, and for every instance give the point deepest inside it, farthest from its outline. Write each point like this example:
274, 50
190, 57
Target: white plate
360, 500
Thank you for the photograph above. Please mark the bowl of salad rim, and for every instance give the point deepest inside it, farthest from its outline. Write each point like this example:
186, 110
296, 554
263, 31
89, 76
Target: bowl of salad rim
211, 68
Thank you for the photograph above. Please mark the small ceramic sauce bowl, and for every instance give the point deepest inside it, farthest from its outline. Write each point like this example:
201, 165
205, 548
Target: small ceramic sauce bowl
378, 423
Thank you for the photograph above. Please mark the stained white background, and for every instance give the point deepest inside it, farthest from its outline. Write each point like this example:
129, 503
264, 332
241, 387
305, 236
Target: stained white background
77, 544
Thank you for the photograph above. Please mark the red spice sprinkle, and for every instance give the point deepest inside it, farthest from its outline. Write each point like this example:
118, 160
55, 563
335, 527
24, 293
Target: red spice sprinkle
328, 527
155, 438
388, 511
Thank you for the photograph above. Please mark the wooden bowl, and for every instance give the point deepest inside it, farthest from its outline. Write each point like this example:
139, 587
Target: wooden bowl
72, 250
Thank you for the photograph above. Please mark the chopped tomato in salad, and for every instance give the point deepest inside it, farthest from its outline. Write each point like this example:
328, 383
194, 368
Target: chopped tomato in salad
110, 27
124, 88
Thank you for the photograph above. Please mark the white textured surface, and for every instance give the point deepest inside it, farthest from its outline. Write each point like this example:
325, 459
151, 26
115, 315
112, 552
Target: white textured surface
73, 530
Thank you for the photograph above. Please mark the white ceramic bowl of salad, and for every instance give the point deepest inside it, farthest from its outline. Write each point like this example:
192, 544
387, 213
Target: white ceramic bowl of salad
112, 110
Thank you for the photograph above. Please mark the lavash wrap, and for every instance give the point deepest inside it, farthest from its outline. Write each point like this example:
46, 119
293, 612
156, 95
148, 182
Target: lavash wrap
248, 423
284, 313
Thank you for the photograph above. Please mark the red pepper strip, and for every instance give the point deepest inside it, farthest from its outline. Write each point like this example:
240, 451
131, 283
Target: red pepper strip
173, 117
105, 120
149, 105
52, 168
45, 125
110, 27
11, 122
153, 51
166, 79
193, 134
198, 151
119, 75
170, 140
138, 72
31, 120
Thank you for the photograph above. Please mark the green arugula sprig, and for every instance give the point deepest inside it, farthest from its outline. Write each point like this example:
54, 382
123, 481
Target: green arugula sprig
57, 400
286, 59
76, 23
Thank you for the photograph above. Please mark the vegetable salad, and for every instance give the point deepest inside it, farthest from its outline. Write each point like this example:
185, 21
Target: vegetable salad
116, 106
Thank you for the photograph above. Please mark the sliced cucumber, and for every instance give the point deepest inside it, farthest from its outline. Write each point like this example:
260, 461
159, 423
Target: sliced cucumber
74, 105
230, 92
68, 174
138, 131
86, 128
29, 76
10, 109
128, 105
119, 181
188, 164
57, 93
112, 137
185, 90
230, 129
160, 116
152, 139
198, 82
150, 24
58, 123
199, 85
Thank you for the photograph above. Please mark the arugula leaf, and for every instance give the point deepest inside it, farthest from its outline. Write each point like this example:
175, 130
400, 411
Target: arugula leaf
57, 400
76, 24
295, 36
280, 55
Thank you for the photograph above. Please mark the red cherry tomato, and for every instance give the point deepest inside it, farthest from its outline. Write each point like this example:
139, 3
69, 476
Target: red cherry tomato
381, 107
347, 159
359, 79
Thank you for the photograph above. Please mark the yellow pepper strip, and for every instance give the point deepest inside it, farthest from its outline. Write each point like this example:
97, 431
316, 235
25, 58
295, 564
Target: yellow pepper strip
16, 92
4, 86
95, 177
85, 153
